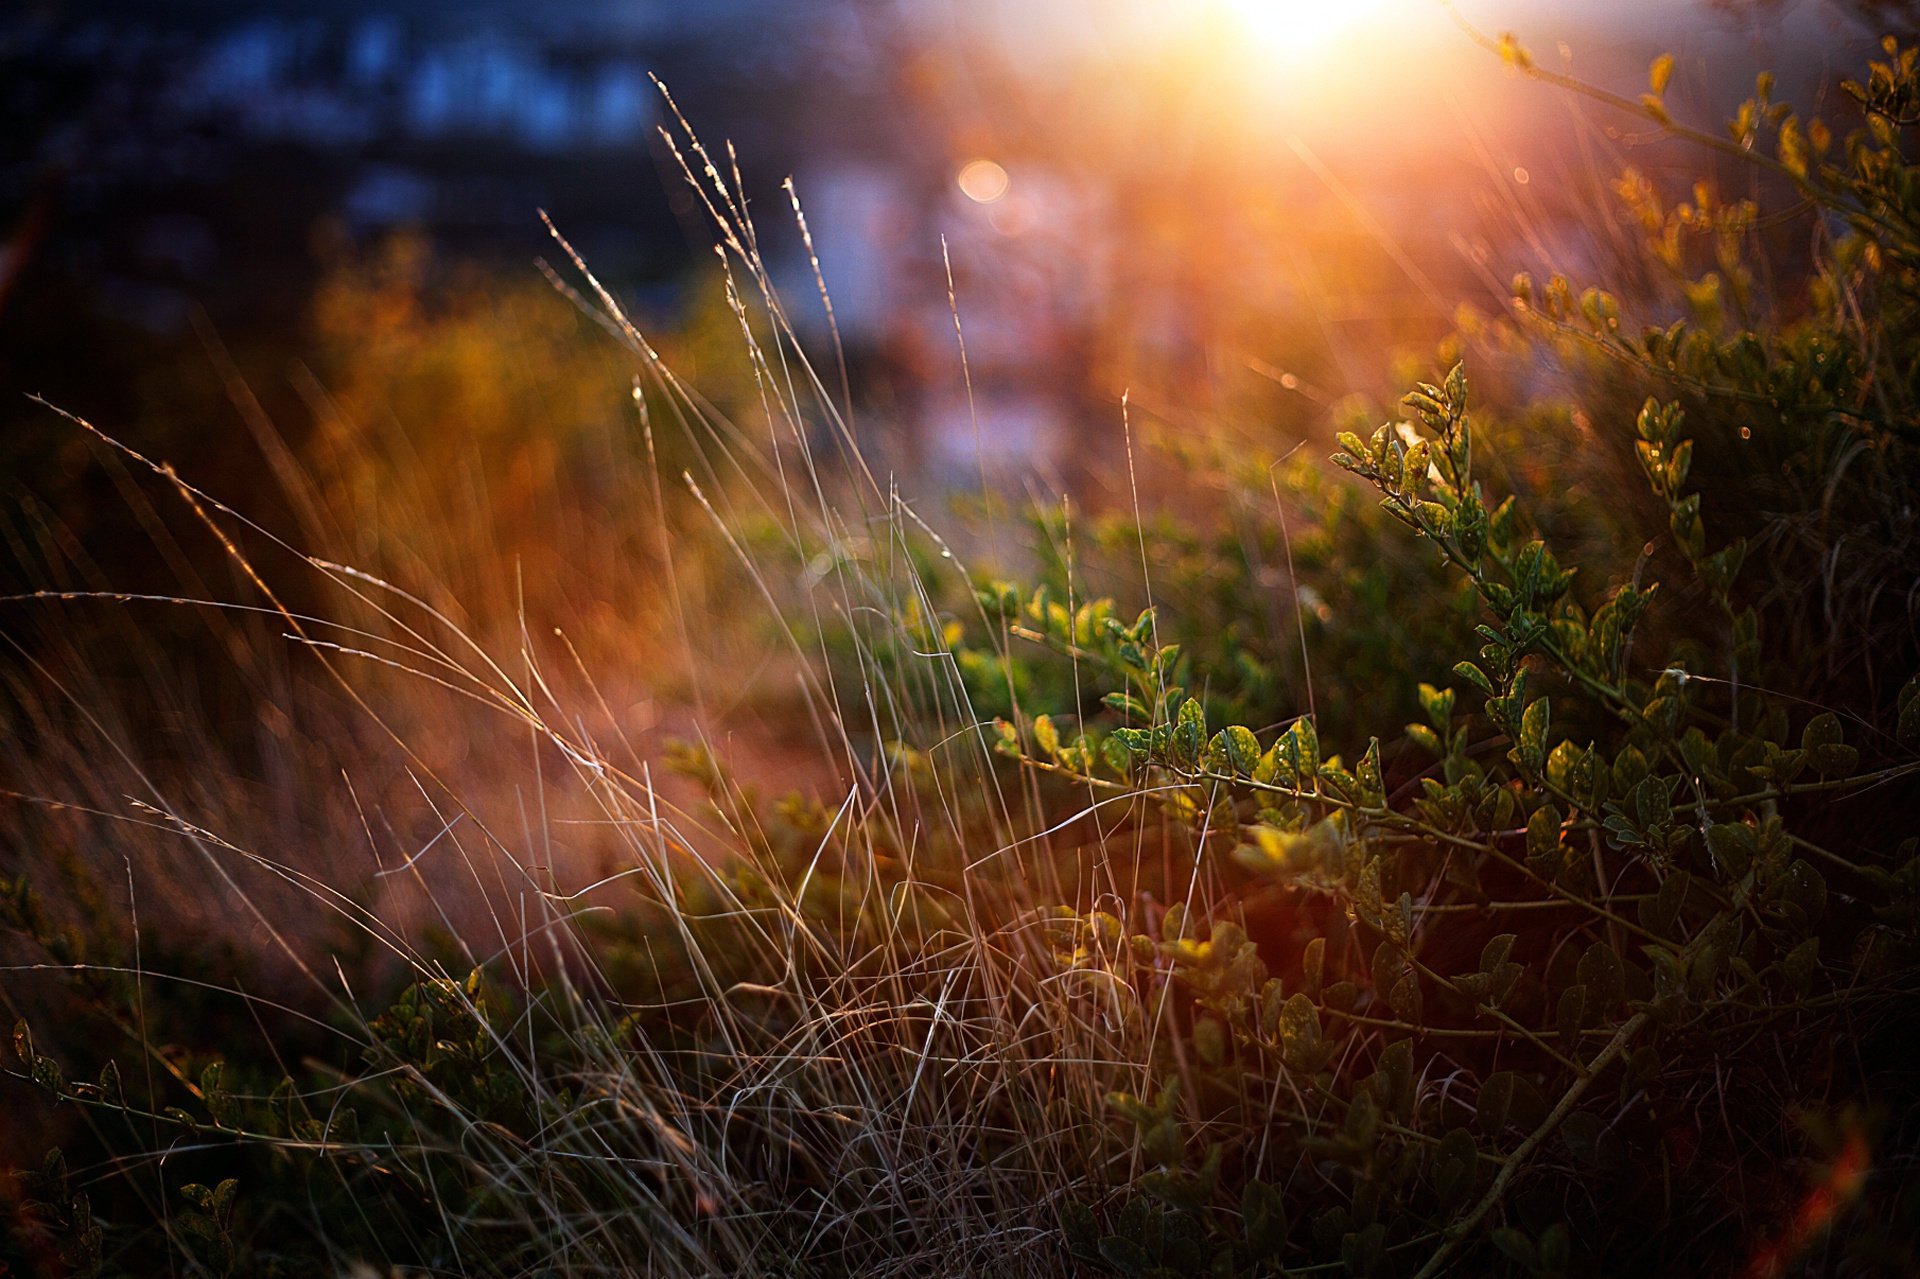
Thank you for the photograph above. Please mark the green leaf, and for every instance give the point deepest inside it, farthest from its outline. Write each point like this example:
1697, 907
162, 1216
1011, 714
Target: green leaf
1190, 731
1661, 912
1263, 1216
1436, 518
1006, 738
1300, 747
1570, 1019
1603, 974
1495, 1102
111, 1090
1437, 704
1831, 758
1395, 1072
1242, 749
1582, 1133
1126, 1256
1400, 919
1533, 734
1679, 464
1300, 1033
1908, 728
1418, 461
1799, 965
1455, 1166
1389, 964
1082, 1231
1517, 1246
1651, 803
1543, 842
1364, 1251
1210, 1040
1367, 899
1164, 661
1556, 1248
46, 1072
1475, 676
1373, 786
1404, 996
1629, 770
1822, 730
1806, 889
1734, 847
1313, 964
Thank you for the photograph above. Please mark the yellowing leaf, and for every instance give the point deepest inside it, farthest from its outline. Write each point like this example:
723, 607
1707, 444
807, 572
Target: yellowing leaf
1660, 73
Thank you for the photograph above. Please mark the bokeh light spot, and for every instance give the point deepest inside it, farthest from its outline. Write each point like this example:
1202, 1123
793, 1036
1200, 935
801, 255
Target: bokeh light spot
983, 181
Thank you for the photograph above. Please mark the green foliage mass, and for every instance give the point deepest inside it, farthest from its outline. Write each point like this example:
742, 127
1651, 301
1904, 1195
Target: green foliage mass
1642, 837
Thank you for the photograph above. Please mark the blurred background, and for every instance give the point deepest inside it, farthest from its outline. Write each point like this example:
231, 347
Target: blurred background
1211, 202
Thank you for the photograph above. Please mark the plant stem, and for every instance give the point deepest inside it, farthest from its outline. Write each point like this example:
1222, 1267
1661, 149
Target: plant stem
1458, 1233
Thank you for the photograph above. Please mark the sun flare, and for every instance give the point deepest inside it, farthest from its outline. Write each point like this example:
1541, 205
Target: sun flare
1296, 29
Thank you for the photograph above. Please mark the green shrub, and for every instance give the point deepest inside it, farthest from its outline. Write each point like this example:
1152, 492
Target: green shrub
1636, 759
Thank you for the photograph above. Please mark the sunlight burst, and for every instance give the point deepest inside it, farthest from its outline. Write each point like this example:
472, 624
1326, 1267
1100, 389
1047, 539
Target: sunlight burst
1296, 29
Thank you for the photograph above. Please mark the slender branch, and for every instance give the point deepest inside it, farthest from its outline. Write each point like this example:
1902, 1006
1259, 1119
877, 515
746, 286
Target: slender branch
1458, 1233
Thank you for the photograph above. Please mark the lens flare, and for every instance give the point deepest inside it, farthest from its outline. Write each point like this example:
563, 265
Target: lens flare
983, 181
1293, 29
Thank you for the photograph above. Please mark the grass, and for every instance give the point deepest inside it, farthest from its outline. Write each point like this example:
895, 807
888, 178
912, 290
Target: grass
866, 1084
